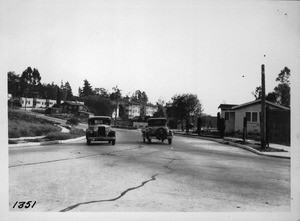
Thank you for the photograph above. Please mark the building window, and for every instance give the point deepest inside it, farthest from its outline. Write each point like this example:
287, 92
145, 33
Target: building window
248, 116
226, 115
254, 116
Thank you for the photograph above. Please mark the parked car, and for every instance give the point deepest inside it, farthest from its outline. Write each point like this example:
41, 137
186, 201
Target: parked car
157, 129
99, 129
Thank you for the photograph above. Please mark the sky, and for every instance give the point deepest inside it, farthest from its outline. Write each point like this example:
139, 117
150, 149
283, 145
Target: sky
213, 49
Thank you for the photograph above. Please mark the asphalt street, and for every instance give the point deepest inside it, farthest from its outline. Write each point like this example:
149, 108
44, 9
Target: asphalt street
189, 175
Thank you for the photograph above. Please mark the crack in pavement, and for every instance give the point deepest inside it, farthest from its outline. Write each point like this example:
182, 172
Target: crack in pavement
109, 200
153, 178
167, 166
73, 158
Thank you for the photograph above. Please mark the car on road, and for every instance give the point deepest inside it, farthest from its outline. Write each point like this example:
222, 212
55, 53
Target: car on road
157, 129
99, 129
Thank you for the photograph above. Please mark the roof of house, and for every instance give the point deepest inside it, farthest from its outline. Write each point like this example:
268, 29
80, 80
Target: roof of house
72, 103
258, 101
227, 106
86, 112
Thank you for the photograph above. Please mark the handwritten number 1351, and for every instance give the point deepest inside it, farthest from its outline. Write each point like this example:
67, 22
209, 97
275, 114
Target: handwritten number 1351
26, 205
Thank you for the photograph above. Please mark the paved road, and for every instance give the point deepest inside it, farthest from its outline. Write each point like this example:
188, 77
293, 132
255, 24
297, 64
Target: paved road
189, 175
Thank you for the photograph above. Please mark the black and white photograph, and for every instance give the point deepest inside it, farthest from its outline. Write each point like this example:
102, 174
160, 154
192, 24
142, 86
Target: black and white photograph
150, 110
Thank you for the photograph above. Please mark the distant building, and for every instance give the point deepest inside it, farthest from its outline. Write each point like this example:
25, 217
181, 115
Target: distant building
132, 109
71, 107
44, 103
149, 109
36, 102
135, 109
27, 102
53, 110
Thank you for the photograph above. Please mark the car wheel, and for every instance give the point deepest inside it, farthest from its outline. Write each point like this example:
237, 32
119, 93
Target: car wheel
88, 142
170, 141
161, 133
113, 142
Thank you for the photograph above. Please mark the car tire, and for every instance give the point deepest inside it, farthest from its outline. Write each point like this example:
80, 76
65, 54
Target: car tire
113, 142
169, 141
88, 142
161, 133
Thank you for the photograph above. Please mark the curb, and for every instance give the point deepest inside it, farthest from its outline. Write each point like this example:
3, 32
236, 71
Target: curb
45, 143
245, 147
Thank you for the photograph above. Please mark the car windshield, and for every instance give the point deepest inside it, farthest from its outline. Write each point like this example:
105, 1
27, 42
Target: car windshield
157, 122
94, 121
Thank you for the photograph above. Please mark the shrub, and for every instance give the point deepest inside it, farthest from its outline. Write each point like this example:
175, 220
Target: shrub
77, 132
14, 103
39, 111
73, 121
59, 136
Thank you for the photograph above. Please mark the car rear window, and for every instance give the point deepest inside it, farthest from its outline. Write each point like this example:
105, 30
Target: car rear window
99, 121
157, 122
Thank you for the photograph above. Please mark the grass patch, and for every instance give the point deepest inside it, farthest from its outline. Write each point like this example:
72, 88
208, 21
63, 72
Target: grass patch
22, 124
74, 133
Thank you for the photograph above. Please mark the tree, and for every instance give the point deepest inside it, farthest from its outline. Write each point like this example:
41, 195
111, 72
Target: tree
13, 84
98, 105
116, 94
272, 96
160, 110
68, 88
257, 92
36, 77
73, 122
140, 97
66, 91
281, 94
87, 89
79, 92
122, 111
51, 91
102, 92
283, 88
284, 75
184, 106
29, 79
58, 96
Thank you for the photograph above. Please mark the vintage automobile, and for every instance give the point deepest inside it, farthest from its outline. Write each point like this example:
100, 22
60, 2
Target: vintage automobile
157, 129
99, 129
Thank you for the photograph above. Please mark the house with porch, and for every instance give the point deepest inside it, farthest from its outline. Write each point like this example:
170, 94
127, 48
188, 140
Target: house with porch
71, 107
234, 115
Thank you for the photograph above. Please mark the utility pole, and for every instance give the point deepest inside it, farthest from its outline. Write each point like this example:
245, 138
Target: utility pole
263, 109
117, 93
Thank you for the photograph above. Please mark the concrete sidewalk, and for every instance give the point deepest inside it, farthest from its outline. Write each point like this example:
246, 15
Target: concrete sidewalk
31, 144
283, 151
